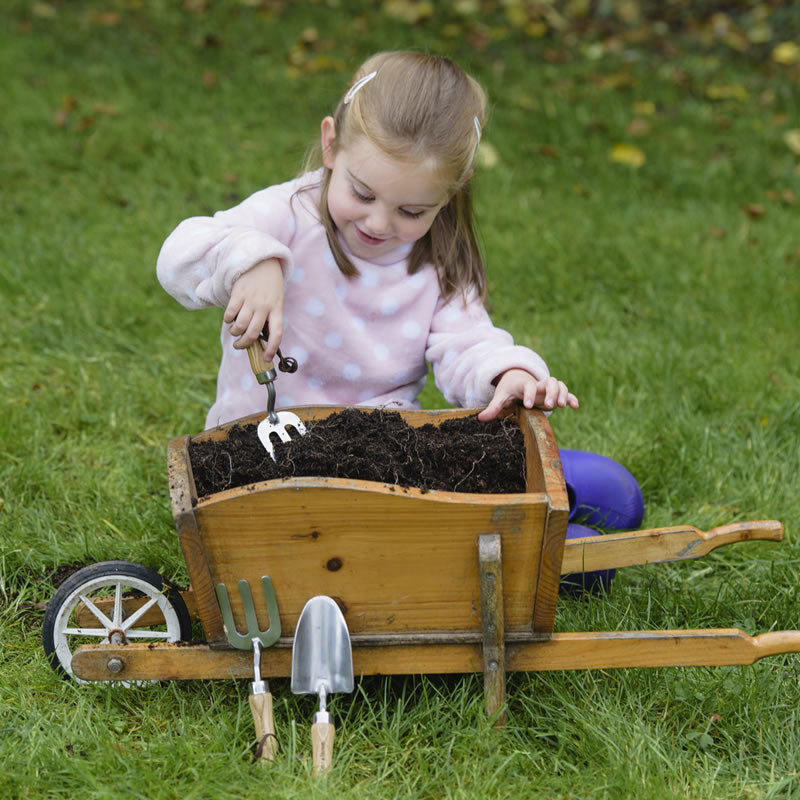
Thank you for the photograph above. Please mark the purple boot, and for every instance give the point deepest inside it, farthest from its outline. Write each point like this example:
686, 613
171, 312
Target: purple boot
601, 493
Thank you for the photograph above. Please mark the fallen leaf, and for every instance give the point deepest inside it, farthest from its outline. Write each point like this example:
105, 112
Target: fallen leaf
788, 197
753, 210
195, 6
548, 151
466, 7
775, 377
627, 154
792, 139
717, 233
68, 105
536, 30
108, 19
786, 53
727, 92
644, 108
638, 127
106, 109
210, 79
43, 10
407, 11
761, 33
617, 80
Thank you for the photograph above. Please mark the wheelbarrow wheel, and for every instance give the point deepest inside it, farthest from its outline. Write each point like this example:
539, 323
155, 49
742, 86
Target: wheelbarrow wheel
111, 602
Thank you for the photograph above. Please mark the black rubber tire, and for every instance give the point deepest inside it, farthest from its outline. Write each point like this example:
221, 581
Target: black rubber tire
112, 570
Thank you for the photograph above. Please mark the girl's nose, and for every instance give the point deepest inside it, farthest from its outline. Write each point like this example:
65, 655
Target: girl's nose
378, 222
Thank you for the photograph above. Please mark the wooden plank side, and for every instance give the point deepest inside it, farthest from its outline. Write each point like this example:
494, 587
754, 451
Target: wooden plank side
396, 560
545, 474
183, 497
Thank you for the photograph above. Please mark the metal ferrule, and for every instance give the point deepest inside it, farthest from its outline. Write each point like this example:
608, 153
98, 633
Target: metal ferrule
267, 376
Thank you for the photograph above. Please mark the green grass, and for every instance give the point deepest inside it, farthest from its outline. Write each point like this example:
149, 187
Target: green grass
670, 311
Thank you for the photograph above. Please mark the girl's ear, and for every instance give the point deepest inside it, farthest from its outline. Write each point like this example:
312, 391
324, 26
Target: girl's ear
328, 131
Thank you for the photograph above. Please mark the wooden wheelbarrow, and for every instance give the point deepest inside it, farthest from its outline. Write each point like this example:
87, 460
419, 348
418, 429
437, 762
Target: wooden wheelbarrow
429, 582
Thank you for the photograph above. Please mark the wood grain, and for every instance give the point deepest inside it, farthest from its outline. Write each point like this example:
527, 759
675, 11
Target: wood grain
607, 650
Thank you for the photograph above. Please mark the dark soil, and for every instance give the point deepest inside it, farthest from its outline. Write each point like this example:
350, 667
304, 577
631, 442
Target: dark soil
461, 455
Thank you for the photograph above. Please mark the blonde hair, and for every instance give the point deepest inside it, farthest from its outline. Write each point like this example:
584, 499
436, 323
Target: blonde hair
419, 106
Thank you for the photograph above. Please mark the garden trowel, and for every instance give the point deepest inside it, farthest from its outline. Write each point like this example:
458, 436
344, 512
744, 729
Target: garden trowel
322, 663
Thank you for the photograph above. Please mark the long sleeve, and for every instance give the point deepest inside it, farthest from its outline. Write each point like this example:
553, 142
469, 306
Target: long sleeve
468, 352
203, 257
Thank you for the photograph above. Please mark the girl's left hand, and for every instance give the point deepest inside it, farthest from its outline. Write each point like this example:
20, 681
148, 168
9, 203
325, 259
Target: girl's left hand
517, 384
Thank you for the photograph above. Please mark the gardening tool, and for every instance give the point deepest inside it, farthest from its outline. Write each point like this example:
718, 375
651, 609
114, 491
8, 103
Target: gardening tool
244, 641
261, 709
274, 422
260, 696
322, 663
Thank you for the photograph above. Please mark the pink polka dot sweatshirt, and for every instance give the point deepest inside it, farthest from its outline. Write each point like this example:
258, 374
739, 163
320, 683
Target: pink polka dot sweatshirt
363, 340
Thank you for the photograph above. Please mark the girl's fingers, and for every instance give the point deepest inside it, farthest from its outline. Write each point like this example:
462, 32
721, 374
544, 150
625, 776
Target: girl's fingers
232, 309
490, 412
239, 327
572, 401
275, 322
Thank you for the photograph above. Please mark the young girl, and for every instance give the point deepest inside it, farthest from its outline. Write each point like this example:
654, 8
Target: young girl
366, 268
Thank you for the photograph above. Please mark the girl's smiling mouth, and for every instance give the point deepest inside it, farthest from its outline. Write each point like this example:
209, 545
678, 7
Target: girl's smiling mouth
367, 239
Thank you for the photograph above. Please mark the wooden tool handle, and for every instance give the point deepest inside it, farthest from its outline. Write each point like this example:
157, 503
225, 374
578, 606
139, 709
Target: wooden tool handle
322, 734
258, 363
261, 708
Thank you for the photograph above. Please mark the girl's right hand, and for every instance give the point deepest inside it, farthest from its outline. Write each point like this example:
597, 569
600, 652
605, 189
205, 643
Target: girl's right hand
257, 299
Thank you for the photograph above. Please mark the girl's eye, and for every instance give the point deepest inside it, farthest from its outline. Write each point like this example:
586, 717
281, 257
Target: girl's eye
412, 214
364, 198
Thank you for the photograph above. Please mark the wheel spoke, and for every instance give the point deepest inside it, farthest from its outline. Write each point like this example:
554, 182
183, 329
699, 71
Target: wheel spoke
107, 623
99, 632
141, 633
133, 618
118, 605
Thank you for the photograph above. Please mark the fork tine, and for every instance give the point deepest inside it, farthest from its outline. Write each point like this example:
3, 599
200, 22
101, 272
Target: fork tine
283, 434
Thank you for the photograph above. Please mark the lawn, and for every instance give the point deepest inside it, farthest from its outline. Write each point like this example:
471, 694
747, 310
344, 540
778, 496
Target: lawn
638, 196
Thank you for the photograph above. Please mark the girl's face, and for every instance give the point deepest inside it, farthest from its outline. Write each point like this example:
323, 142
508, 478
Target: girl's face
379, 203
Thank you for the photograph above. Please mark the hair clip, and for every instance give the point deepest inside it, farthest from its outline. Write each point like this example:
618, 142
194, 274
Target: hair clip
477, 128
351, 92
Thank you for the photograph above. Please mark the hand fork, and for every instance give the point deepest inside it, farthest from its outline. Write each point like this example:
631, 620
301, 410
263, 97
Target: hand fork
244, 641
274, 422
260, 695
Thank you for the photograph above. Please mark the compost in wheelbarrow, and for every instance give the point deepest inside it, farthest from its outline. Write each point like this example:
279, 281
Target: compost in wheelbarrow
462, 454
